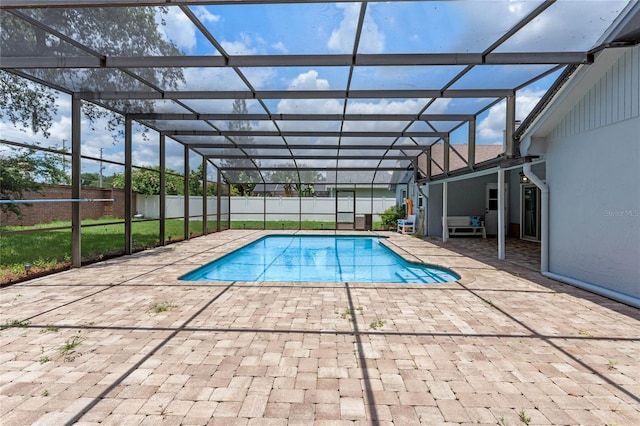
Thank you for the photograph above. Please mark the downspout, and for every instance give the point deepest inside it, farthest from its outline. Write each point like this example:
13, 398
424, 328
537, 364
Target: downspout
544, 249
544, 225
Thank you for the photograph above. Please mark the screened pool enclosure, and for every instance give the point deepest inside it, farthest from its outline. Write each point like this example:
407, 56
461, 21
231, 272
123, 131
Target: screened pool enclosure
276, 114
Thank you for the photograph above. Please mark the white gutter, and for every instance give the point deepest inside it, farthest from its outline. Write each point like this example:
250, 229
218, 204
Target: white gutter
602, 291
544, 226
544, 249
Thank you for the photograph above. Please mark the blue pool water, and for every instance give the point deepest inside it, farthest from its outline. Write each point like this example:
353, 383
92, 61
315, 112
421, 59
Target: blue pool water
318, 259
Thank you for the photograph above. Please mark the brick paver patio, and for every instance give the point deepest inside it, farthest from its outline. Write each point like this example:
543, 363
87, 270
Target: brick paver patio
501, 346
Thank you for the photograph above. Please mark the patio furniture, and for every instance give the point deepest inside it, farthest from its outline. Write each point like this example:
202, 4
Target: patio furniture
407, 226
466, 225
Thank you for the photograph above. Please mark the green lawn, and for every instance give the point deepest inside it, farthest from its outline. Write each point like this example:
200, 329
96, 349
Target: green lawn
48, 248
51, 248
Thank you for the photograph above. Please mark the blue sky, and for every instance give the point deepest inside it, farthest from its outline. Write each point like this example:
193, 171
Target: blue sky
390, 27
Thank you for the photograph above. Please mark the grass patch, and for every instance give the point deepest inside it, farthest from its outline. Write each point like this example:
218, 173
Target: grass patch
50, 329
14, 324
162, 307
378, 323
70, 345
524, 418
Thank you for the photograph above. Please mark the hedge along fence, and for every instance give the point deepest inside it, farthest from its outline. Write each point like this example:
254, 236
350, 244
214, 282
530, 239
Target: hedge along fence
38, 213
254, 208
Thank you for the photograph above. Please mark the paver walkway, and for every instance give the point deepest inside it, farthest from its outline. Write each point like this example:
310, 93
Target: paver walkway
124, 342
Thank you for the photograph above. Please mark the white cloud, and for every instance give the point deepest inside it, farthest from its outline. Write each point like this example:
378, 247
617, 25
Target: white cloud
60, 128
309, 81
407, 106
493, 125
342, 38
565, 26
211, 79
242, 47
178, 29
204, 15
280, 47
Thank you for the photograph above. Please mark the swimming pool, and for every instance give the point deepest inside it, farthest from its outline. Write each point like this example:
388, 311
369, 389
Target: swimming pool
318, 259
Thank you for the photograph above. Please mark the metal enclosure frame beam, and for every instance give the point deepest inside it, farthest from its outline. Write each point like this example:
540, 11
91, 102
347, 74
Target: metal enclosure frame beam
76, 181
128, 183
326, 60
163, 191
110, 95
186, 193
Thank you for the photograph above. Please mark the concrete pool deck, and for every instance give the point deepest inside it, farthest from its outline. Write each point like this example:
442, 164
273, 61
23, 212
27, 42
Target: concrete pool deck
124, 342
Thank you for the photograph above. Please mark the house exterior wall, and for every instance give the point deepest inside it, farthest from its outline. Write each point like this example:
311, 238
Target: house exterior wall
465, 198
515, 201
593, 156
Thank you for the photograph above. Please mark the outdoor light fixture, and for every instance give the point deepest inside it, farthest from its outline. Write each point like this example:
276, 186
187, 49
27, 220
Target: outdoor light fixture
523, 178
27, 267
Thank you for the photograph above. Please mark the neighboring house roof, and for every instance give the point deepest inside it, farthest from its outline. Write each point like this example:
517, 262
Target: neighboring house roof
457, 157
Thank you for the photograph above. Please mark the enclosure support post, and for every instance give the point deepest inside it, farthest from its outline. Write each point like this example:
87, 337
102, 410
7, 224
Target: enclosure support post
447, 154
471, 154
229, 208
186, 192
76, 170
501, 214
218, 203
205, 228
300, 208
372, 207
264, 206
510, 127
445, 195
163, 191
128, 192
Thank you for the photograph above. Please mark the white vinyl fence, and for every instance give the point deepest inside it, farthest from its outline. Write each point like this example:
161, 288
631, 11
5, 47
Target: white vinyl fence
253, 208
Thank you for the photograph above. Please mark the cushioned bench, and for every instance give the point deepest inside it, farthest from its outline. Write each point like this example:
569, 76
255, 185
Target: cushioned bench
466, 225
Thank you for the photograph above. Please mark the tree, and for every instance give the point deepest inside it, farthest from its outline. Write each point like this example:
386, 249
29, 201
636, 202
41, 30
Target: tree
27, 172
243, 182
93, 179
196, 178
147, 182
300, 181
111, 31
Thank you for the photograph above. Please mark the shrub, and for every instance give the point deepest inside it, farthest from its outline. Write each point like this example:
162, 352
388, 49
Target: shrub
391, 215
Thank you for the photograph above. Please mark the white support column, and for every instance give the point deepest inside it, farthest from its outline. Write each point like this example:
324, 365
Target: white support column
76, 170
501, 217
445, 195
